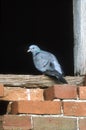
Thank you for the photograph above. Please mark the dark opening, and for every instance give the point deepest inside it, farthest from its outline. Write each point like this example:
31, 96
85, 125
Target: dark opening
3, 107
49, 25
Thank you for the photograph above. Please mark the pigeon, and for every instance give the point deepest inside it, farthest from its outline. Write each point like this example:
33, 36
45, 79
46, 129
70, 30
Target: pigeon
46, 63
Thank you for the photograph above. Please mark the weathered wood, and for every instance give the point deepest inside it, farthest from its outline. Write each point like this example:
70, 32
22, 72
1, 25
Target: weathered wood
79, 20
32, 81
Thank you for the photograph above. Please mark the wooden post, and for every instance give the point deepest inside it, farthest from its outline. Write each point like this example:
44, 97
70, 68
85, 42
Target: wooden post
79, 21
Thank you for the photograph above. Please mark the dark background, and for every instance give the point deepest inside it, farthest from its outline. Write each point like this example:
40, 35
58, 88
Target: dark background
49, 25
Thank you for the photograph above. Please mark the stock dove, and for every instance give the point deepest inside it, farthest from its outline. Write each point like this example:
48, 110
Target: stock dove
46, 63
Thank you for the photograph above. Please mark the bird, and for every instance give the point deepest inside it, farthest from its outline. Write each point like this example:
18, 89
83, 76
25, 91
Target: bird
46, 62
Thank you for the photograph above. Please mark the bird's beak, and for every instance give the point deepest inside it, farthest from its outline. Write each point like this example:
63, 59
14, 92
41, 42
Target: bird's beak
28, 50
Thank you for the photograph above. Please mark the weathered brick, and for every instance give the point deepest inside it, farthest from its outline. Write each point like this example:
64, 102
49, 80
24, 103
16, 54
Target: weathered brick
60, 91
14, 94
82, 92
36, 94
82, 124
17, 93
16, 122
74, 108
1, 123
1, 90
54, 123
37, 107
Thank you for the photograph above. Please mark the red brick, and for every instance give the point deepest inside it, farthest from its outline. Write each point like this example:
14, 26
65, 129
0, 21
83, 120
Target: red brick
74, 108
36, 94
82, 92
60, 91
37, 107
14, 94
1, 90
1, 123
16, 122
54, 123
17, 93
82, 124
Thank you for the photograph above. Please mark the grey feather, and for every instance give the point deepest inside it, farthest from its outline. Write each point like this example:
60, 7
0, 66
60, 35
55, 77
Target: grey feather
46, 62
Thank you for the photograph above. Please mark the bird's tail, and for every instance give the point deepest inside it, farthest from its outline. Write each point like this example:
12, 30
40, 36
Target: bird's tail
57, 75
61, 79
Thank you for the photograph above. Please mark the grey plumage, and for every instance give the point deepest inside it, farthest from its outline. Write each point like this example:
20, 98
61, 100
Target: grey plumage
46, 62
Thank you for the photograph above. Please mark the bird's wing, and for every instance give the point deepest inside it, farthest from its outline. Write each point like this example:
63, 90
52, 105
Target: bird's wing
41, 61
54, 64
51, 70
55, 73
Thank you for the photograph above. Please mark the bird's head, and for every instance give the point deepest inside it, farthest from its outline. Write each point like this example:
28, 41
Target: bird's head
34, 49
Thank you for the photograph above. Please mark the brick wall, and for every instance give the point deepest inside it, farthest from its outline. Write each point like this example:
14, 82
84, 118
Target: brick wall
59, 107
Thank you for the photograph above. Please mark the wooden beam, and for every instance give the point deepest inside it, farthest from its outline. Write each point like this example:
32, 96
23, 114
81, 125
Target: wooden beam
32, 81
